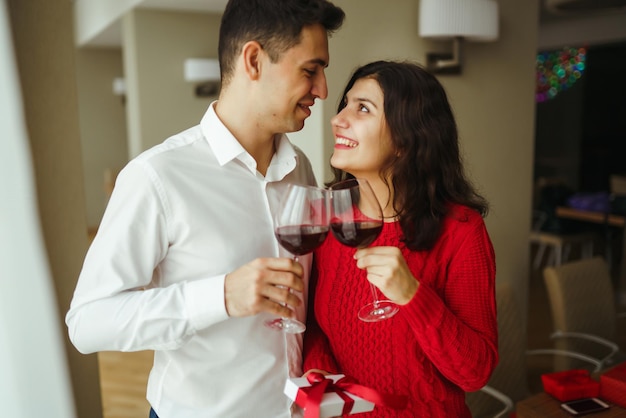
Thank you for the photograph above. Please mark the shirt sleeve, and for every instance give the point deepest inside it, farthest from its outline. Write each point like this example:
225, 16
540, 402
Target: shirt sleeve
458, 332
113, 307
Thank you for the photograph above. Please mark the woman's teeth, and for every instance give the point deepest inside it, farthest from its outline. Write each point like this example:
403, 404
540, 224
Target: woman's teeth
345, 142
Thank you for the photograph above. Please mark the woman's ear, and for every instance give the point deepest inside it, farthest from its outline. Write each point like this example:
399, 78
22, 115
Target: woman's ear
252, 53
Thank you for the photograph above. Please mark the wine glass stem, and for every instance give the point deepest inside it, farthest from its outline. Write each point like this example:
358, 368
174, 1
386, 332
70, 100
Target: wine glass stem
374, 294
295, 258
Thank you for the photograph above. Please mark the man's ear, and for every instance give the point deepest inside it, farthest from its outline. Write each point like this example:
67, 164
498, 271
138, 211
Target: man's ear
252, 54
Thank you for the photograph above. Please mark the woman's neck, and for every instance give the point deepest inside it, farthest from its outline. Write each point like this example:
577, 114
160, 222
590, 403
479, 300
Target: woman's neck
384, 194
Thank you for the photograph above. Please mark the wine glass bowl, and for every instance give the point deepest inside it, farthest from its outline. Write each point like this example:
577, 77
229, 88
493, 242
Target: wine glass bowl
300, 226
356, 221
358, 234
301, 239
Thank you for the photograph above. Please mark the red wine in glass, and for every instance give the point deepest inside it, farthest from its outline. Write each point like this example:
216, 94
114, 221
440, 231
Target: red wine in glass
301, 239
358, 234
356, 221
300, 226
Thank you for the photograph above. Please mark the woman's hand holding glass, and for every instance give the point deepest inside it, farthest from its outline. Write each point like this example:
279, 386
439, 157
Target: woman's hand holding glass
356, 221
388, 271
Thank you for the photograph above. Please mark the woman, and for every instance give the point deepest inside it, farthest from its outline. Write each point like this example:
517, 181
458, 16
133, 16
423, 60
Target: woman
434, 258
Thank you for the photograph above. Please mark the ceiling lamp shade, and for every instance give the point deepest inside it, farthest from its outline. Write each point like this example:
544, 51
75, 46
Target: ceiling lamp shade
473, 20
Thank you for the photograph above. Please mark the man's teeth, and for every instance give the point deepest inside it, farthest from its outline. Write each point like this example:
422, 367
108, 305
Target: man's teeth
345, 142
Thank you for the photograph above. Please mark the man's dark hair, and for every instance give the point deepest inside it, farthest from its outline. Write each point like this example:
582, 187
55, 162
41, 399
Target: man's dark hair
275, 24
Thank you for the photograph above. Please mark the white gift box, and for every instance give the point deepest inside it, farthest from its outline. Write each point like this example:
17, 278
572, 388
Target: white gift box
332, 404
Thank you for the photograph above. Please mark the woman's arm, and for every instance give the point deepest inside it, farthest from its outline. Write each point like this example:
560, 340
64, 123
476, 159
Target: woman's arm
457, 330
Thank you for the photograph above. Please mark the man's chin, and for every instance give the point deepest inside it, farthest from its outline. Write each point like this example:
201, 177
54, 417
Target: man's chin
296, 126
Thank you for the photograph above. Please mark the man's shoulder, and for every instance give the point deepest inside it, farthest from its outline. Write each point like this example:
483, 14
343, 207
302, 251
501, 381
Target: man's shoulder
177, 143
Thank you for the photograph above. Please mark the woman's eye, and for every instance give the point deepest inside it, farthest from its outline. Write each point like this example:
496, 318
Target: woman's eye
363, 108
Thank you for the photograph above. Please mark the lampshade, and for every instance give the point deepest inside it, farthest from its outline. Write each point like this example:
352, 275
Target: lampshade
119, 86
475, 20
202, 69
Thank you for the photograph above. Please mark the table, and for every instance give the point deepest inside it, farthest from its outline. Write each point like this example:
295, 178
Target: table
602, 218
543, 405
589, 216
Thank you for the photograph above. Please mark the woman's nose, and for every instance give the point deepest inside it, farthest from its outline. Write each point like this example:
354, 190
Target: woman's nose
338, 120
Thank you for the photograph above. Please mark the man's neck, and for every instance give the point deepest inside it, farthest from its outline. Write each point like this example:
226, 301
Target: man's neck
242, 124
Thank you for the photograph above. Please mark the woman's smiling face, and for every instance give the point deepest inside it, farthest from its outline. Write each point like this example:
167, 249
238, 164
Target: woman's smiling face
362, 137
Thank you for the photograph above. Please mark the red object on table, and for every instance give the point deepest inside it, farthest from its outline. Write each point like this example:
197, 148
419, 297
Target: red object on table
613, 385
570, 384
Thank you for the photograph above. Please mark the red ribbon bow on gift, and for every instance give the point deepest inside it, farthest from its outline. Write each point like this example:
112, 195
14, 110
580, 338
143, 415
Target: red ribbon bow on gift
311, 396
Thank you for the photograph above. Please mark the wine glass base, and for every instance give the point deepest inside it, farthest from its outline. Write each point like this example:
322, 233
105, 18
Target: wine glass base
290, 326
378, 311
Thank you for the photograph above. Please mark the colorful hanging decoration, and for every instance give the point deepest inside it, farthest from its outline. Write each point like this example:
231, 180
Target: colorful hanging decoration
558, 70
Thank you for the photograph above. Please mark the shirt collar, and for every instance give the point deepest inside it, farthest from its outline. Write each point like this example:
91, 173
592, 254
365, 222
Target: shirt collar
226, 147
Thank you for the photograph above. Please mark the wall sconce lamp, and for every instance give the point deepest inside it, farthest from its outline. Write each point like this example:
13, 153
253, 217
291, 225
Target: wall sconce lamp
119, 88
205, 71
456, 20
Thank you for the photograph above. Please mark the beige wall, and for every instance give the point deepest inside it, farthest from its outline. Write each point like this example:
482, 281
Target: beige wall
156, 44
102, 118
43, 41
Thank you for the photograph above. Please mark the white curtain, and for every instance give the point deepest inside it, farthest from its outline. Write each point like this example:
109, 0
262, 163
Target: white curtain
34, 378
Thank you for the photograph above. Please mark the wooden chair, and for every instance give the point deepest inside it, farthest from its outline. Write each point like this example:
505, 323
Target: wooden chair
558, 244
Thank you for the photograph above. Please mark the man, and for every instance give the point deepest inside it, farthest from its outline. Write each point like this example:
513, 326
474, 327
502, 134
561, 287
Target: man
185, 262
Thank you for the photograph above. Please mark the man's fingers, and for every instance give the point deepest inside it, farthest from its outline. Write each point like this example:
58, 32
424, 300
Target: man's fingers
263, 285
282, 295
277, 309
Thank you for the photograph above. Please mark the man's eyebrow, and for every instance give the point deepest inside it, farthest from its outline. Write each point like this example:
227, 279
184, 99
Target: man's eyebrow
318, 61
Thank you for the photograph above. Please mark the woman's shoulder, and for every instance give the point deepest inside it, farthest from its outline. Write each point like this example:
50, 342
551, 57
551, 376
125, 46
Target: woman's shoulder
462, 216
461, 225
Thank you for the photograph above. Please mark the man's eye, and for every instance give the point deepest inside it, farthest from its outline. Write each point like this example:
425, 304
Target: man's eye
310, 72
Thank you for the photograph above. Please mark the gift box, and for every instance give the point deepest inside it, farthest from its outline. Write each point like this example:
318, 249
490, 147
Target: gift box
613, 385
334, 400
570, 384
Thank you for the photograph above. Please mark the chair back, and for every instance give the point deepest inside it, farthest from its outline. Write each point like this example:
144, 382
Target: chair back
618, 185
618, 194
582, 300
510, 375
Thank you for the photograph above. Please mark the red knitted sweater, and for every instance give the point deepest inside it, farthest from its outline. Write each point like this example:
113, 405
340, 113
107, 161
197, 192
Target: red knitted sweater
441, 344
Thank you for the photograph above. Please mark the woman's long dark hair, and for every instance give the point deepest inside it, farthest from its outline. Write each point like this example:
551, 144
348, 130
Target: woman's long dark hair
426, 170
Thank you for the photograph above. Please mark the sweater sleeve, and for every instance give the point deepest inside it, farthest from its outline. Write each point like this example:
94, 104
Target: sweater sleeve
457, 328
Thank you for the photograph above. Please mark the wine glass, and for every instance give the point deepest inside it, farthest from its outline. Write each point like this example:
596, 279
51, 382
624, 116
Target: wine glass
356, 221
300, 225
